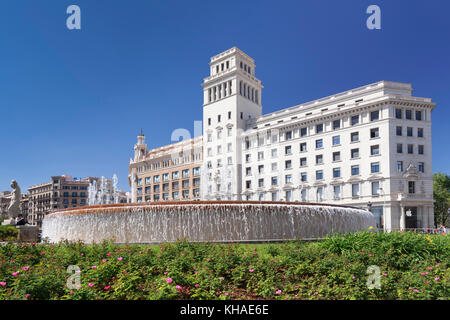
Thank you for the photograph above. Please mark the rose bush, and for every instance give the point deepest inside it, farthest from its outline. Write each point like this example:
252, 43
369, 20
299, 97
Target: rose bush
412, 266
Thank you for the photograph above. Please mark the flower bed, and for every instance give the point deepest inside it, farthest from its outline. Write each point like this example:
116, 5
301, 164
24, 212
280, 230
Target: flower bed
411, 266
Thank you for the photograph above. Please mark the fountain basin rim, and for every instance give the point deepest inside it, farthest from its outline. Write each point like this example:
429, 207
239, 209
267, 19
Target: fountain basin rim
90, 209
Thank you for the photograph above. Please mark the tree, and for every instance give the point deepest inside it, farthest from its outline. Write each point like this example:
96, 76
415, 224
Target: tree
441, 193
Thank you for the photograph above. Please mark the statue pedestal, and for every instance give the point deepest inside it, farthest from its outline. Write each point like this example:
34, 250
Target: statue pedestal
28, 233
9, 222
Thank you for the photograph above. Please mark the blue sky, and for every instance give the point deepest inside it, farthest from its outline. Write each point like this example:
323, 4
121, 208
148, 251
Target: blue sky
73, 101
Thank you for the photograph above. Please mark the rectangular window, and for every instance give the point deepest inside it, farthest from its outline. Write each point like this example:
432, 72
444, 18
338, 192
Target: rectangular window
419, 115
288, 135
336, 172
261, 169
303, 147
288, 178
411, 187
185, 173
409, 131
337, 156
319, 128
374, 167
288, 150
355, 190
274, 166
421, 149
337, 192
375, 188
303, 132
303, 194
303, 177
336, 140
420, 132
408, 114
260, 155
400, 166
355, 170
319, 193
248, 184
398, 113
374, 115
375, 150
355, 120
274, 153
354, 153
319, 159
336, 124
399, 148
288, 164
319, 143
288, 195
374, 133
410, 148
274, 181
248, 171
354, 136
303, 162
319, 174
274, 196
421, 167
261, 183
398, 131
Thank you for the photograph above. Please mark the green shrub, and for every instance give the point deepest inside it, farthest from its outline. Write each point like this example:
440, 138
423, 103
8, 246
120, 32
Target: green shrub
412, 266
8, 233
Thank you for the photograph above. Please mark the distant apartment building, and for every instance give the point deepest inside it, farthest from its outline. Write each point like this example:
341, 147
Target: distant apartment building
167, 173
61, 192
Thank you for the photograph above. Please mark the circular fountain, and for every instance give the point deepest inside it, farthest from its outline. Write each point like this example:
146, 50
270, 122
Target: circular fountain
215, 221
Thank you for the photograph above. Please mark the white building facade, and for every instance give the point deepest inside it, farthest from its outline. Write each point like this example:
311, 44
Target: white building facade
367, 147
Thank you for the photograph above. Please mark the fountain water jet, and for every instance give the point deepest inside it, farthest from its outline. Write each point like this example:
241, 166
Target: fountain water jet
203, 221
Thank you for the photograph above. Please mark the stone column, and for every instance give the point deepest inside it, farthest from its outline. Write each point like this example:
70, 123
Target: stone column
402, 218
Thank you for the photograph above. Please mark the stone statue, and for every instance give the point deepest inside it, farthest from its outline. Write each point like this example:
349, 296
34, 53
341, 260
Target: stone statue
14, 205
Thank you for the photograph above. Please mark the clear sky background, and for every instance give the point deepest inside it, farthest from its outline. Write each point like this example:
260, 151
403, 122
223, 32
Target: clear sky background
73, 101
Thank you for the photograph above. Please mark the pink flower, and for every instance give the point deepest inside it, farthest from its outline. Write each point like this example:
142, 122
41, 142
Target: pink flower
255, 253
90, 284
169, 280
353, 277
108, 254
124, 272
26, 268
208, 259
120, 258
316, 293
161, 249
15, 273
82, 254
179, 288
227, 294
27, 295
42, 253
423, 273
159, 255
94, 267
2, 284
278, 292
116, 250
221, 278
415, 290
195, 272
104, 260
197, 285
385, 274
71, 292
251, 270
148, 249
436, 279
107, 287
182, 254
429, 268
370, 254
165, 273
